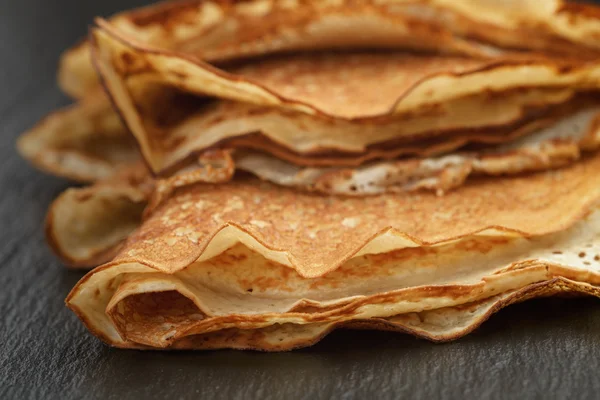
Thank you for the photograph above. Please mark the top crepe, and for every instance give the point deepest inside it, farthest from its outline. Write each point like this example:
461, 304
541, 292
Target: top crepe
77, 143
221, 30
393, 94
363, 86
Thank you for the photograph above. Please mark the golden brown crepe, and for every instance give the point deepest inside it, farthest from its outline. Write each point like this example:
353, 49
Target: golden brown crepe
86, 226
87, 143
216, 31
555, 146
352, 100
309, 82
220, 30
223, 30
246, 259
84, 142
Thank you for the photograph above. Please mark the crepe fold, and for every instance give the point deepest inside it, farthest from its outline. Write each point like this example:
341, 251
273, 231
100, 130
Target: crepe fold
86, 142
251, 265
220, 30
379, 100
87, 226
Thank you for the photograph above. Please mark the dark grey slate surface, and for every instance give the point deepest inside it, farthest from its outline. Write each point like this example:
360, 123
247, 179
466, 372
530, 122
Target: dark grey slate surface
541, 349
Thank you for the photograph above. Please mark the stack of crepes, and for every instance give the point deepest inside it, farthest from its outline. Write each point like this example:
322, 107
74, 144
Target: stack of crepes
267, 171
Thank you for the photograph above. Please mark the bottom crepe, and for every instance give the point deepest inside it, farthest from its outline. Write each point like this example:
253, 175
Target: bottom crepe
255, 266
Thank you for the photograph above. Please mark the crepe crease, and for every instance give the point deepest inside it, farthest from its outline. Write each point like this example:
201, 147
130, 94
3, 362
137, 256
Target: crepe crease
264, 172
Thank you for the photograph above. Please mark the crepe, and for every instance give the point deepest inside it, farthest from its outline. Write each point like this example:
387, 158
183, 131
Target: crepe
440, 325
85, 142
555, 146
337, 118
86, 226
217, 33
83, 158
305, 82
418, 165
211, 261
222, 30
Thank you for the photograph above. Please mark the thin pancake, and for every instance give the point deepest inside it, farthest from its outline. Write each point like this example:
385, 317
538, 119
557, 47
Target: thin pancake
86, 226
85, 142
199, 221
221, 30
555, 146
166, 137
136, 304
441, 325
404, 82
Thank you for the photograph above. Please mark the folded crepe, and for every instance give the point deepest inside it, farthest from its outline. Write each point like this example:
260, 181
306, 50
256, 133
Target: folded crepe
333, 102
85, 142
86, 226
88, 143
251, 265
221, 30
215, 31
555, 146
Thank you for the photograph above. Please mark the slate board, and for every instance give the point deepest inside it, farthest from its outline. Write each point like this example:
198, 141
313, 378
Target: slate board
544, 348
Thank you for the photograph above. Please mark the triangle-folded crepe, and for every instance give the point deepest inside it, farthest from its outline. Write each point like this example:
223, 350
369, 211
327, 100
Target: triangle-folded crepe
249, 260
381, 96
220, 30
216, 31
